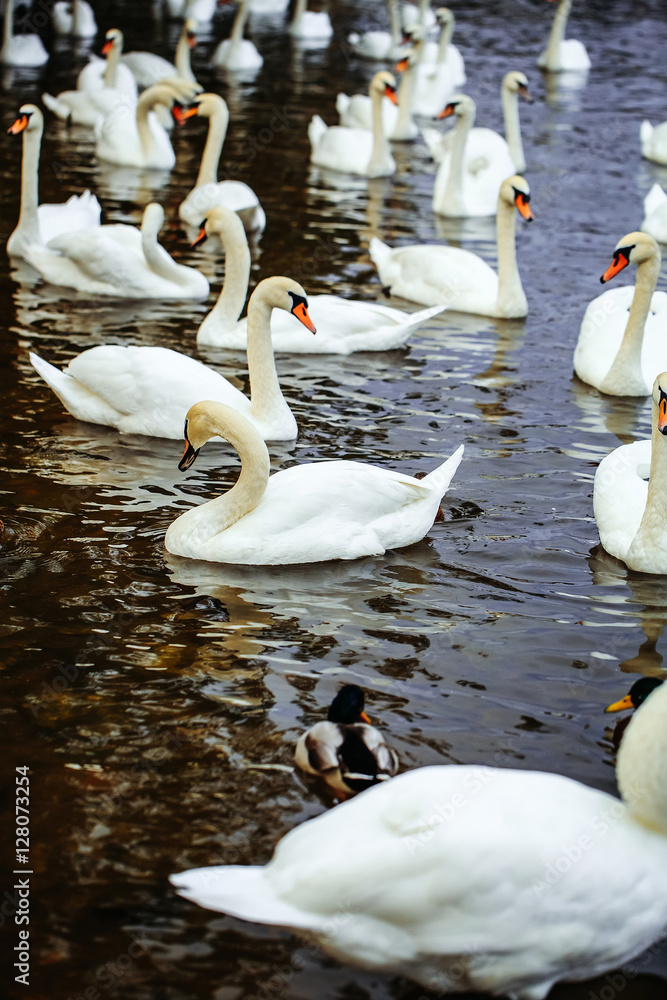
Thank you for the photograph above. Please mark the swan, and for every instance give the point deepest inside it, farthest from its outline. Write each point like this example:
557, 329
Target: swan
343, 325
110, 71
563, 54
208, 190
304, 514
622, 343
118, 260
417, 14
630, 512
41, 223
135, 138
20, 50
380, 44
356, 151
655, 214
346, 751
149, 390
441, 71
200, 10
653, 139
308, 24
636, 696
237, 52
458, 278
74, 17
148, 68
469, 878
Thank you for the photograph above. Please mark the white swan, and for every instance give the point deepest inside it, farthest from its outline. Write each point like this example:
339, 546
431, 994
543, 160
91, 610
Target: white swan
469, 878
343, 325
74, 17
622, 342
308, 513
236, 52
655, 214
118, 260
148, 68
563, 54
630, 513
356, 151
417, 14
208, 190
458, 278
380, 44
20, 50
200, 10
310, 25
149, 390
472, 168
653, 139
441, 71
41, 223
135, 138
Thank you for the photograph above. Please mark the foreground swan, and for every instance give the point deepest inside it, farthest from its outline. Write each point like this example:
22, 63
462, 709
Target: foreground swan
308, 513
20, 50
622, 342
655, 214
653, 139
343, 325
353, 150
458, 278
346, 751
237, 52
149, 390
40, 223
74, 18
630, 513
208, 191
468, 878
560, 53
118, 260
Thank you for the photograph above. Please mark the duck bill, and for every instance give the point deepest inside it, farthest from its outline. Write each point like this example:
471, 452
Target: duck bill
364, 718
189, 455
390, 92
523, 207
301, 312
19, 125
620, 706
614, 268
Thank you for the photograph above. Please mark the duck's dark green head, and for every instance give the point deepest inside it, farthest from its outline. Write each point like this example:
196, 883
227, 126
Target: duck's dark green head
348, 706
638, 693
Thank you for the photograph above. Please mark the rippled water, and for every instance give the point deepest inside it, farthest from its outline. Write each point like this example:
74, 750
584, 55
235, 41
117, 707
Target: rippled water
157, 701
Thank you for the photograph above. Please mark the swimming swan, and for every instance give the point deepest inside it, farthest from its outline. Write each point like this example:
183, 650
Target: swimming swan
468, 878
149, 69
20, 50
655, 214
310, 25
563, 54
307, 513
237, 52
380, 44
74, 17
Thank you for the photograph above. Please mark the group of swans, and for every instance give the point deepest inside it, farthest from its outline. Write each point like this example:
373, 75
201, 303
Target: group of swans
386, 45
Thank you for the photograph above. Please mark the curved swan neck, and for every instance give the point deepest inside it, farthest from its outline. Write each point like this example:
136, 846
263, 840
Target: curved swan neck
157, 258
454, 190
380, 152
511, 295
182, 57
626, 371
640, 770
28, 224
266, 398
113, 58
395, 22
510, 101
218, 121
146, 103
446, 34
557, 33
225, 313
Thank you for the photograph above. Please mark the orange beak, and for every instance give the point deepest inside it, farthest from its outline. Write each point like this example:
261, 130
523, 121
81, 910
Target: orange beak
181, 114
364, 718
202, 236
526, 94
18, 126
301, 313
107, 47
402, 65
522, 204
192, 39
390, 92
446, 112
619, 262
662, 413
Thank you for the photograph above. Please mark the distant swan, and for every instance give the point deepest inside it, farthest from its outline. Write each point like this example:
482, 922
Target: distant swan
563, 54
20, 50
237, 52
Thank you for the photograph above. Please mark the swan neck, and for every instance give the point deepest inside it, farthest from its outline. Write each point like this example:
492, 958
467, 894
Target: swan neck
225, 313
406, 100
510, 100
395, 22
157, 258
113, 58
8, 24
182, 58
558, 32
215, 138
380, 152
424, 6
640, 771
266, 398
626, 370
144, 106
239, 24
299, 11
454, 191
510, 289
444, 41
28, 224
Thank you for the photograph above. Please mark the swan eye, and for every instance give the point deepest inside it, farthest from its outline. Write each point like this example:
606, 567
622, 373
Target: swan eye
662, 412
300, 311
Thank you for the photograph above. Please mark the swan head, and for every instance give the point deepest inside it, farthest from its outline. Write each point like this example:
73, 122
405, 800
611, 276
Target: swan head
516, 191
637, 694
209, 419
283, 293
635, 248
460, 105
170, 90
222, 222
348, 706
414, 34
114, 40
384, 83
29, 118
190, 31
517, 83
205, 106
444, 15
660, 403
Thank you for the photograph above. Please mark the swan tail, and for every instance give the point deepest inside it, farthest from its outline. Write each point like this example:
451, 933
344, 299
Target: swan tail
59, 108
241, 891
654, 199
440, 478
342, 104
75, 397
316, 130
645, 132
418, 319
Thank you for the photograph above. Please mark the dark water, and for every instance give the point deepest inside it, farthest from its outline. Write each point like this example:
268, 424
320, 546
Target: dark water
156, 703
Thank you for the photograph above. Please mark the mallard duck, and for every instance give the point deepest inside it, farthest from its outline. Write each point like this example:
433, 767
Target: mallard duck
637, 694
346, 751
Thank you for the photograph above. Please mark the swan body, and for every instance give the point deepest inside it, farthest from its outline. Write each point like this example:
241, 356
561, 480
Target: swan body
457, 278
622, 344
468, 878
118, 260
41, 223
655, 214
208, 191
561, 54
380, 44
308, 513
441, 71
200, 10
630, 512
74, 18
237, 52
20, 50
356, 151
149, 69
310, 25
346, 751
357, 112
110, 72
653, 139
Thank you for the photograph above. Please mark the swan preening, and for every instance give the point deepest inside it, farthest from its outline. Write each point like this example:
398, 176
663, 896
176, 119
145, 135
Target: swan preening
443, 874
307, 513
343, 325
622, 343
630, 512
40, 223
563, 54
149, 390
457, 278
